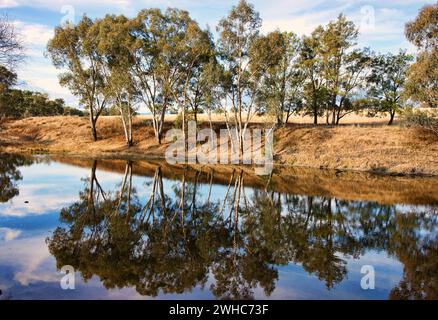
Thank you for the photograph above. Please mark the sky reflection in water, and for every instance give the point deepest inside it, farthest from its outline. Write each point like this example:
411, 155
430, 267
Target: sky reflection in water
148, 231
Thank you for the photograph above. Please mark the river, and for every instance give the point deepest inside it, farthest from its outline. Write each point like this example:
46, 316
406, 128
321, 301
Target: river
148, 230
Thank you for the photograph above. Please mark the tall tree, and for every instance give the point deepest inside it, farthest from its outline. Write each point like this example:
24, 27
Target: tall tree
386, 82
336, 40
74, 49
422, 83
114, 37
11, 47
422, 79
201, 90
352, 82
245, 56
191, 53
283, 83
164, 59
310, 61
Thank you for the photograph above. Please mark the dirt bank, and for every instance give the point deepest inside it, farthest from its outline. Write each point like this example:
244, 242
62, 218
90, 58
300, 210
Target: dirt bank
377, 148
288, 180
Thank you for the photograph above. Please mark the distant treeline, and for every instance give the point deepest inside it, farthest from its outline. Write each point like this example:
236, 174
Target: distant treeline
16, 103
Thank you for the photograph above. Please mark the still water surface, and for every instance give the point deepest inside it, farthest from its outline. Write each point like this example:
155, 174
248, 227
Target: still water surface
144, 230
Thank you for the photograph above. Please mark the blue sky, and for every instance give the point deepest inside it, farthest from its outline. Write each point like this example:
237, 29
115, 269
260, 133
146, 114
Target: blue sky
381, 24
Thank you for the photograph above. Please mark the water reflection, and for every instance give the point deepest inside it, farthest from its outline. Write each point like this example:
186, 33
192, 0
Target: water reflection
233, 240
10, 175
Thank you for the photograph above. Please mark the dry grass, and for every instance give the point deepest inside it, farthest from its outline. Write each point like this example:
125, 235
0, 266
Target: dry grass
381, 149
366, 147
294, 119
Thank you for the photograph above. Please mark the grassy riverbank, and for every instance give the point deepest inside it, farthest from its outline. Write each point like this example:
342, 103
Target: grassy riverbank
365, 147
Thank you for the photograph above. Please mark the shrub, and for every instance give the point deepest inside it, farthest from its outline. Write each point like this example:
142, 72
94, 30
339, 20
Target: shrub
425, 119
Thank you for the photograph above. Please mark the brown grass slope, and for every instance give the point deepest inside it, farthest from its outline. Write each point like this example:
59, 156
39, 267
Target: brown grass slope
376, 148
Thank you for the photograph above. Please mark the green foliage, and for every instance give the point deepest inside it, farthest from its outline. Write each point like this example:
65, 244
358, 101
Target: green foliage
424, 119
282, 90
423, 31
387, 80
422, 83
7, 78
74, 49
22, 103
335, 71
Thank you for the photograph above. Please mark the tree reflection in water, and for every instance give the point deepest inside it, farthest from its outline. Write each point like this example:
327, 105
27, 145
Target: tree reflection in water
171, 243
10, 175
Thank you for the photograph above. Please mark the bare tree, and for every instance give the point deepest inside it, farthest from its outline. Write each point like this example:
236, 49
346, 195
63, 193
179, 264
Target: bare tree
11, 46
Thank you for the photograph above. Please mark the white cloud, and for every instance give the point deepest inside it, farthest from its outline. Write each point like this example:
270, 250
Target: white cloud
43, 77
7, 234
8, 3
35, 35
386, 34
38, 73
29, 258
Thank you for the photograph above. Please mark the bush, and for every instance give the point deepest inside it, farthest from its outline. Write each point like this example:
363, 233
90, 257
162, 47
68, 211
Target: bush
16, 103
177, 123
425, 119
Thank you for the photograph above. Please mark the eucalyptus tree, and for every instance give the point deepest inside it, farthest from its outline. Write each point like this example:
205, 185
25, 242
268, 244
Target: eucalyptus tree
245, 56
283, 84
204, 88
165, 46
310, 61
386, 82
114, 37
204, 76
422, 82
422, 79
423, 31
191, 54
357, 65
75, 50
336, 41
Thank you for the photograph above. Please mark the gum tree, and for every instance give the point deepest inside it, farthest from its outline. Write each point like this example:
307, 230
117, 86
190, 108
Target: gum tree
386, 82
164, 48
245, 57
114, 37
422, 83
191, 54
74, 49
282, 85
336, 41
313, 90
